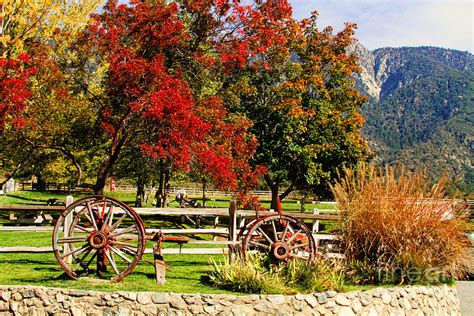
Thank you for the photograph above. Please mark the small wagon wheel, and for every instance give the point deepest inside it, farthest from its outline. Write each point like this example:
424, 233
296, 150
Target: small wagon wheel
280, 236
100, 230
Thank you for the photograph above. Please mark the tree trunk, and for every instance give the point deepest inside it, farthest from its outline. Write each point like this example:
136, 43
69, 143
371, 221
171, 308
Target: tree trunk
140, 193
274, 186
159, 196
303, 201
106, 168
102, 178
163, 185
119, 140
17, 168
166, 186
203, 192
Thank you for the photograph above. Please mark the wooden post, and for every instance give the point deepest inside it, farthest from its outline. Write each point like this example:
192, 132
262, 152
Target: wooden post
233, 221
315, 227
66, 225
216, 222
159, 262
232, 228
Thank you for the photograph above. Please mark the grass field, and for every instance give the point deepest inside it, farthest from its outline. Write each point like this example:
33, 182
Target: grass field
42, 269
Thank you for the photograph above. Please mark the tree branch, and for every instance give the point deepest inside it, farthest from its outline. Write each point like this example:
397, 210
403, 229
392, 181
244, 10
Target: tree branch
287, 191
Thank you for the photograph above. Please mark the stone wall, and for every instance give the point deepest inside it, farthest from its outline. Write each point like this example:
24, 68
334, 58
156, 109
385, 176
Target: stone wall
34, 301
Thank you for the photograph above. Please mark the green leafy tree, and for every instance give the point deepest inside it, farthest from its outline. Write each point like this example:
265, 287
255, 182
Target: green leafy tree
305, 108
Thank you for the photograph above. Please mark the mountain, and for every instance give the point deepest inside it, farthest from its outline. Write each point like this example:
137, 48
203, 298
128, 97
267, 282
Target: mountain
421, 109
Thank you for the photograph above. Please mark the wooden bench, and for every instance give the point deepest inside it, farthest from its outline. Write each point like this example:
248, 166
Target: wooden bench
31, 214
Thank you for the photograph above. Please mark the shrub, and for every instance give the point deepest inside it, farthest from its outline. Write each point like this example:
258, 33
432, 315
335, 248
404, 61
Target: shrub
317, 276
397, 228
256, 274
250, 275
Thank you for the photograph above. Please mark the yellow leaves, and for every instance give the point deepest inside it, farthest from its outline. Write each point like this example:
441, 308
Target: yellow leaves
58, 169
296, 110
5, 40
22, 20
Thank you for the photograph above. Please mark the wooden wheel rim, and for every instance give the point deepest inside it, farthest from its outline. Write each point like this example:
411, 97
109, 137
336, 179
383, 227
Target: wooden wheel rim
94, 235
269, 235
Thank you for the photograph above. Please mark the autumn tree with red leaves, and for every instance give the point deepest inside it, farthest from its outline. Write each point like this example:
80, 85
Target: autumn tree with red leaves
142, 93
223, 158
14, 89
163, 57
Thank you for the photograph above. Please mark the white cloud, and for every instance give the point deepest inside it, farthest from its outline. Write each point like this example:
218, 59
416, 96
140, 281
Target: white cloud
382, 23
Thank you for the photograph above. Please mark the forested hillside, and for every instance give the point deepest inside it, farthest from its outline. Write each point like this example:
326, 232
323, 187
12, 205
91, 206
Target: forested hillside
421, 109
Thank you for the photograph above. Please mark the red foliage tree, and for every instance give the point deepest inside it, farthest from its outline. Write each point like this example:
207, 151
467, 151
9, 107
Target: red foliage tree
155, 66
14, 75
143, 93
223, 157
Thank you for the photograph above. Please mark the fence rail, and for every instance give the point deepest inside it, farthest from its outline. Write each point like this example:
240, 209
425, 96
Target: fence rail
236, 220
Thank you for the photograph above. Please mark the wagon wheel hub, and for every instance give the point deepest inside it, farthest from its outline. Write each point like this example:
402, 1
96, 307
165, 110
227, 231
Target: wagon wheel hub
280, 250
98, 240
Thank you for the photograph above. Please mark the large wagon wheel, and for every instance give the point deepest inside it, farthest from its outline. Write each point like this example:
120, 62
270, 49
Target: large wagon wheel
101, 235
282, 237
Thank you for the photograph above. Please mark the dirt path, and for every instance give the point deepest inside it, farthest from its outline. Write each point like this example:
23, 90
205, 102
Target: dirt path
466, 297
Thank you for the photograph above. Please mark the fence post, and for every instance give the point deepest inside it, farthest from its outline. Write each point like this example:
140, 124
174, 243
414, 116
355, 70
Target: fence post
315, 227
216, 222
233, 221
66, 225
232, 228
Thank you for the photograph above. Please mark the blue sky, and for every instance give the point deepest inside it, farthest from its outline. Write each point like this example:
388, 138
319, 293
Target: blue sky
382, 23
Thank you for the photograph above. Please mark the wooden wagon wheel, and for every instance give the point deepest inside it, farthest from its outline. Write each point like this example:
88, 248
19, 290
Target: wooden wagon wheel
100, 231
280, 236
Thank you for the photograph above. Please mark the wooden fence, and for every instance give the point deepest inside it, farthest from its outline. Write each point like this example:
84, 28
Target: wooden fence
236, 220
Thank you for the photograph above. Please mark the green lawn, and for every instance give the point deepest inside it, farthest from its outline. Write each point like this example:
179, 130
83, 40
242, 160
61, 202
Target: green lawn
42, 269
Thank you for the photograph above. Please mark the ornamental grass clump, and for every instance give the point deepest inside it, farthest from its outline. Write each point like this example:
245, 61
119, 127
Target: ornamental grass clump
250, 275
398, 228
258, 274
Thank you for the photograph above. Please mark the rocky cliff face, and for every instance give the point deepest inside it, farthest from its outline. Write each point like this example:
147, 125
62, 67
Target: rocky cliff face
421, 108
386, 70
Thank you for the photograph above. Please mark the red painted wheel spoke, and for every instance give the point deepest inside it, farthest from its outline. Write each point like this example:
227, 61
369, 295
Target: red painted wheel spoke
108, 219
122, 244
72, 239
91, 259
275, 235
84, 229
285, 231
80, 261
130, 251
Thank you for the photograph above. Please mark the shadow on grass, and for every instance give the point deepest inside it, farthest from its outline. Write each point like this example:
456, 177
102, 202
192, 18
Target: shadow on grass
45, 279
28, 261
176, 263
